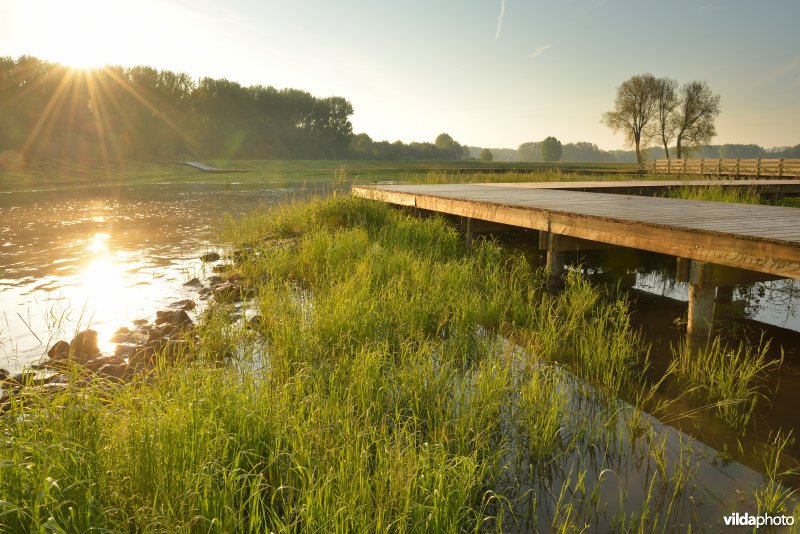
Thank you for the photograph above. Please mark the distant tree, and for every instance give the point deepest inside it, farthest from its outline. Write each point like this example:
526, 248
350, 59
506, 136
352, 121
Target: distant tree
740, 151
531, 151
449, 148
635, 107
695, 115
583, 151
666, 93
551, 149
486, 155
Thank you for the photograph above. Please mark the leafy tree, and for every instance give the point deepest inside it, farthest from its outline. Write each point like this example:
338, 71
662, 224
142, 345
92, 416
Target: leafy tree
583, 151
635, 107
666, 93
695, 115
551, 149
486, 155
449, 148
531, 151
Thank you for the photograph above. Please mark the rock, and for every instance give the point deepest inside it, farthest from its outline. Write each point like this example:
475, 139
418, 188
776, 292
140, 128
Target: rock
123, 337
96, 363
177, 318
124, 350
209, 257
116, 371
140, 322
59, 351
4, 374
123, 330
84, 344
185, 304
227, 292
223, 267
215, 281
194, 282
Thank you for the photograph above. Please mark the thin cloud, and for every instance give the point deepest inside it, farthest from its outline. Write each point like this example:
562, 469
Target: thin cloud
541, 50
500, 19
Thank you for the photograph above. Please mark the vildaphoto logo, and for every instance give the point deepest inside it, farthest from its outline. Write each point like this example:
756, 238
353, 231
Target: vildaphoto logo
764, 520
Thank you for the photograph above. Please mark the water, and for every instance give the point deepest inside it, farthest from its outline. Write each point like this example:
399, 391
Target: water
103, 257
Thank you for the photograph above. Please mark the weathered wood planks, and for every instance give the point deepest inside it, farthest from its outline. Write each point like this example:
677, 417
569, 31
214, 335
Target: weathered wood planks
765, 239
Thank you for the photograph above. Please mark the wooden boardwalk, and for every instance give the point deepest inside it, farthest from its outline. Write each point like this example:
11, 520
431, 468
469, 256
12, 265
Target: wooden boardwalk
749, 238
753, 237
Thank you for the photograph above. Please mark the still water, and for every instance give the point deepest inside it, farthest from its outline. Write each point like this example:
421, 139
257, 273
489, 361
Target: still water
103, 257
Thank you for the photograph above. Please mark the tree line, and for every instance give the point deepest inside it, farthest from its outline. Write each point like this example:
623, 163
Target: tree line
443, 148
48, 110
649, 109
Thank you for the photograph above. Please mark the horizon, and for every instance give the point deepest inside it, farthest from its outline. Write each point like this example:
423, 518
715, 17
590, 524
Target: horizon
410, 73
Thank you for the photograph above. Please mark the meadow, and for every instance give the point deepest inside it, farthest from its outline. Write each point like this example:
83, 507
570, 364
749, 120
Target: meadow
387, 377
48, 174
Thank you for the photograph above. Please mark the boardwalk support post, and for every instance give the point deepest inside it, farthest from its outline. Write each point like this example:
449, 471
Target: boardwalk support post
710, 285
701, 299
555, 262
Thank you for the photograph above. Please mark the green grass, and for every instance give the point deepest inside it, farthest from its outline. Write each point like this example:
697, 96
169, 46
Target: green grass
391, 378
740, 195
732, 378
37, 174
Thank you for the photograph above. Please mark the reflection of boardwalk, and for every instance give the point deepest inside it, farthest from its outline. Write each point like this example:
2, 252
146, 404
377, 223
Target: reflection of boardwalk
726, 243
206, 168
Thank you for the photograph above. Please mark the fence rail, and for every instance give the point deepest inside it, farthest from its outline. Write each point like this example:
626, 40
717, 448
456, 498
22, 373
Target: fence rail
733, 167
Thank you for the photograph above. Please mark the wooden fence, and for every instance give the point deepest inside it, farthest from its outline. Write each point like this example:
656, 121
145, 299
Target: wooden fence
734, 167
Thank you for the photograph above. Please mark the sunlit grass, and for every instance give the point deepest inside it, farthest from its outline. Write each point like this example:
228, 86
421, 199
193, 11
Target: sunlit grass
387, 377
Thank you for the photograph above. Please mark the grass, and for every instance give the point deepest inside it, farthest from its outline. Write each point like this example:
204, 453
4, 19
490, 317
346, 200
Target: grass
388, 378
740, 195
730, 377
48, 174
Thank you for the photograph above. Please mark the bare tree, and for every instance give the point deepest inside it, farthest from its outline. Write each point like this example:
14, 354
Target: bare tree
694, 116
634, 109
666, 101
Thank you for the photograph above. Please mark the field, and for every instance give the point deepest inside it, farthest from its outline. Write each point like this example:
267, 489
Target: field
39, 174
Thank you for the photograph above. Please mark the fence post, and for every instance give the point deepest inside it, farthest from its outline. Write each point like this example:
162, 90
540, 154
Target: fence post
737, 168
758, 167
780, 167
669, 166
702, 161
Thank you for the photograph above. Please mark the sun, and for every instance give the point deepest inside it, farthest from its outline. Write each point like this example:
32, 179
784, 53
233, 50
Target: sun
87, 33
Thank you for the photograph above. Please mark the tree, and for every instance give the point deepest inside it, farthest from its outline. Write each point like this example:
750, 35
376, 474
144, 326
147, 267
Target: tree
634, 108
486, 155
695, 115
666, 92
531, 151
551, 149
448, 147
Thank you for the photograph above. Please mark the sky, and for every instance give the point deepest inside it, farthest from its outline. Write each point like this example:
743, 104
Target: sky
493, 73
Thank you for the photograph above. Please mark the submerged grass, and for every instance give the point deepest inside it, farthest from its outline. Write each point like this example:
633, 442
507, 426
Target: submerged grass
388, 378
730, 377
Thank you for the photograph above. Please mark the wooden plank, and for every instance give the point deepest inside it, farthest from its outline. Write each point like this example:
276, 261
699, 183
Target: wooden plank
598, 218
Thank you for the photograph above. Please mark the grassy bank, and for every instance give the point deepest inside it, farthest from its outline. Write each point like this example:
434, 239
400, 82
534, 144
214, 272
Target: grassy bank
38, 174
386, 378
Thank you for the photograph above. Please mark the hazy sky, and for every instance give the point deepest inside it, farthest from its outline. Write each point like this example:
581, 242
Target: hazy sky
489, 72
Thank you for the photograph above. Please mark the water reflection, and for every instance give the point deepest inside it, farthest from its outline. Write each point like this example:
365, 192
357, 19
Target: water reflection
103, 257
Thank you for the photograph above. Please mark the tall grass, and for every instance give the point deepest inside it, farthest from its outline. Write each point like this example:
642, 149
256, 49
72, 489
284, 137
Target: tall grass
731, 377
390, 379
